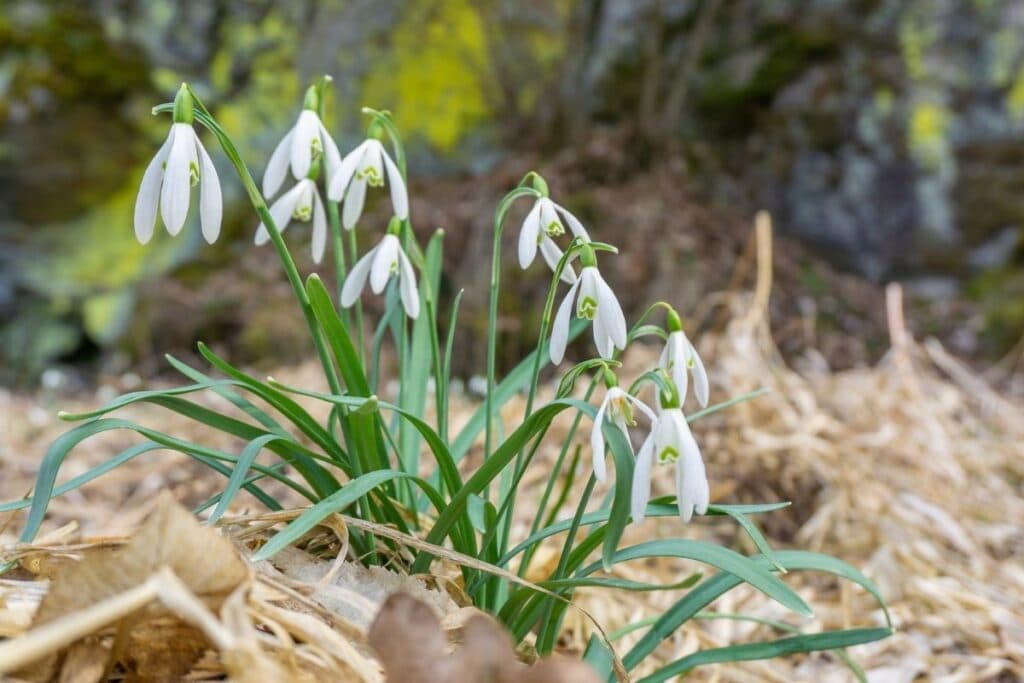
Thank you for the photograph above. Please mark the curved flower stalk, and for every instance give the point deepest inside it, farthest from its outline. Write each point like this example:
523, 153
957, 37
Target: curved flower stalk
365, 166
617, 406
378, 265
179, 165
300, 203
594, 301
306, 143
542, 223
680, 358
671, 441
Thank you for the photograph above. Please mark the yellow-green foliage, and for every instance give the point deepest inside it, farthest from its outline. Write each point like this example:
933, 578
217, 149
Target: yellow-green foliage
1015, 97
434, 76
96, 260
929, 123
915, 39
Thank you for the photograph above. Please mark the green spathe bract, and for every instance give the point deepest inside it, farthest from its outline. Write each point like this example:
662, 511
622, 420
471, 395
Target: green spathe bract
366, 459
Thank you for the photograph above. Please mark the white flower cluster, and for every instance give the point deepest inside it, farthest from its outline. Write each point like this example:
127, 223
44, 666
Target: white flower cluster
182, 162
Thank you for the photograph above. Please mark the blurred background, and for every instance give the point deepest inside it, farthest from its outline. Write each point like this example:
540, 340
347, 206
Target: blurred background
883, 135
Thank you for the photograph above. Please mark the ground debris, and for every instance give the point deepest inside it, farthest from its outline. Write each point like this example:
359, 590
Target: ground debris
412, 647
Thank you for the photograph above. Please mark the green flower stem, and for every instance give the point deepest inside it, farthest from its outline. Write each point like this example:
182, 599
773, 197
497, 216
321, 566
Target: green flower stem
492, 313
340, 269
203, 115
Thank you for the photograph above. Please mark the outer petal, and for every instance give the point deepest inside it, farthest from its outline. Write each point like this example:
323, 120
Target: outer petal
407, 286
608, 305
148, 200
387, 253
399, 195
332, 157
641, 405
701, 387
277, 167
354, 200
307, 129
560, 329
597, 440
528, 237
281, 211
642, 480
211, 205
174, 194
319, 227
356, 279
339, 181
552, 255
602, 340
691, 480
574, 224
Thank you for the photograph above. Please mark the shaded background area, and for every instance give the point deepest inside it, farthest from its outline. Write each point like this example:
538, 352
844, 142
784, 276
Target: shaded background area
884, 136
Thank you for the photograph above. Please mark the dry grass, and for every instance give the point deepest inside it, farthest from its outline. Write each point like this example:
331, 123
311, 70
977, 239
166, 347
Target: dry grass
911, 469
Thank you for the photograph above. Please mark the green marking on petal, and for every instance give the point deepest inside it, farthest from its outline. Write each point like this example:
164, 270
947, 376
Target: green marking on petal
587, 307
554, 229
668, 455
193, 173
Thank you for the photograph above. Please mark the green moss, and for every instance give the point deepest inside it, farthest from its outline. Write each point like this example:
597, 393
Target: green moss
434, 77
926, 136
1001, 295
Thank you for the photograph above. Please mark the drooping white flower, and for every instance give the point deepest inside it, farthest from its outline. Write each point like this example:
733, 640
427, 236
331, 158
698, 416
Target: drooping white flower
181, 163
679, 358
596, 302
385, 260
618, 407
299, 149
365, 166
300, 203
541, 224
671, 441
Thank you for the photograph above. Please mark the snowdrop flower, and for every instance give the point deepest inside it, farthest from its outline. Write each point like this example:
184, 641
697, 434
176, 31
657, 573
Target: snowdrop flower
301, 203
679, 357
540, 225
378, 265
366, 165
302, 147
595, 301
181, 163
671, 441
618, 407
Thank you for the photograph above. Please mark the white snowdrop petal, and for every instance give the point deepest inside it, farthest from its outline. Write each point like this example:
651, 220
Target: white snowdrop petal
407, 287
339, 181
306, 130
281, 212
575, 226
277, 167
677, 356
356, 279
177, 186
147, 202
332, 158
548, 215
387, 254
701, 387
528, 237
597, 440
615, 321
684, 499
641, 490
211, 205
319, 227
399, 195
355, 198
560, 329
552, 255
